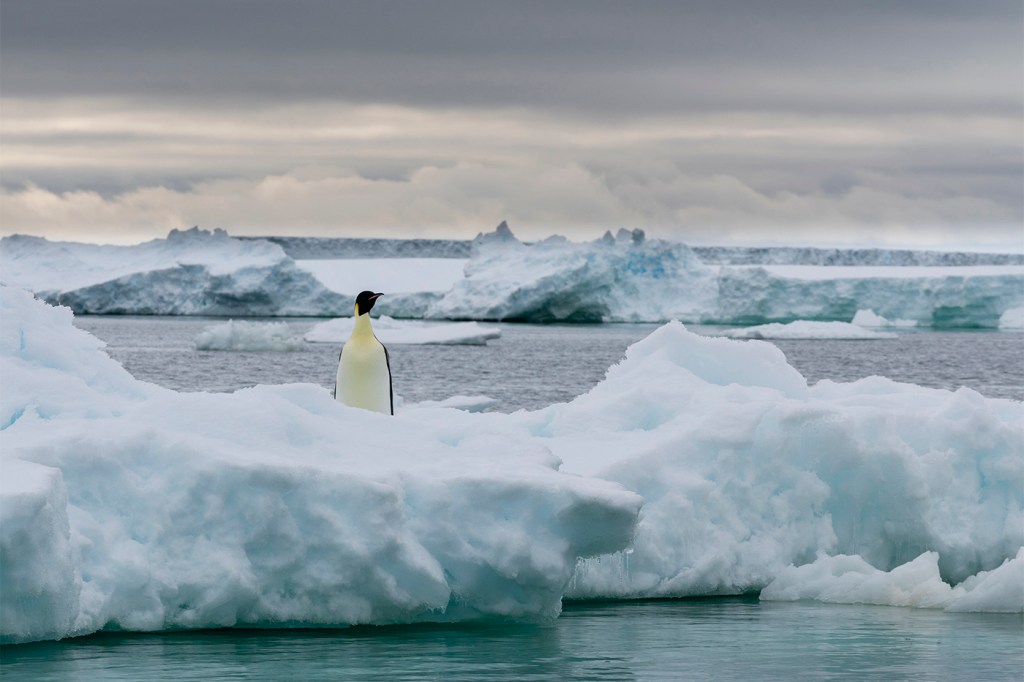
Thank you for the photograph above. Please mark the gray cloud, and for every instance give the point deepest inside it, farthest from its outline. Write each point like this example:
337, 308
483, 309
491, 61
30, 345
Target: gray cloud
801, 120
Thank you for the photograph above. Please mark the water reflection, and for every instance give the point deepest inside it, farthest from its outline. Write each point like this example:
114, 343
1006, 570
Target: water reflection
710, 639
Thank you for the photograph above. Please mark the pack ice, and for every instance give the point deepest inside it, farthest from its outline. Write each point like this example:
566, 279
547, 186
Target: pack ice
128, 506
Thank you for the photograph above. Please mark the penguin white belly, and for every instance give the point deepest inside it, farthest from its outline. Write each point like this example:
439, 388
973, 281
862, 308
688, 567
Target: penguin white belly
364, 379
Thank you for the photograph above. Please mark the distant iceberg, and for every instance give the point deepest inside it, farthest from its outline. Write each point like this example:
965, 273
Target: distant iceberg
621, 278
626, 278
124, 505
391, 331
806, 329
249, 336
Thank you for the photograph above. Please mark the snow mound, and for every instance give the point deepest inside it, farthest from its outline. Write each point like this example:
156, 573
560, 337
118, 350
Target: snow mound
868, 318
249, 336
807, 329
391, 331
132, 507
851, 580
1012, 319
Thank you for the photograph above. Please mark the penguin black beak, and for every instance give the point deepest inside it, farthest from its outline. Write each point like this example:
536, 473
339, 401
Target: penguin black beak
376, 296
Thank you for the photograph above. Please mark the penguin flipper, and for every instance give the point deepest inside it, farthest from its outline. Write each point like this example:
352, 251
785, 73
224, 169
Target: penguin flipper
391, 390
335, 391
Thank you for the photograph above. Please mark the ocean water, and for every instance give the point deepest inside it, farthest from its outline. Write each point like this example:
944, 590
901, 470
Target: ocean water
737, 638
688, 639
532, 366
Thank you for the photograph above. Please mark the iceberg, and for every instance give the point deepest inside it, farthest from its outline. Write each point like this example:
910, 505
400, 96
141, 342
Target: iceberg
627, 278
191, 272
249, 336
392, 331
806, 329
621, 278
698, 466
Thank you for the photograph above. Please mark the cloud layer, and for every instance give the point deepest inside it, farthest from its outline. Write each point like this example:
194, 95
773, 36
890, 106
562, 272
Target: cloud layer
799, 122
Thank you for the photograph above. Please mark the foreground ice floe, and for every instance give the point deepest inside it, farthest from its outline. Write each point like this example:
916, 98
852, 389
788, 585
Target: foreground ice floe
745, 470
391, 331
626, 278
249, 336
128, 506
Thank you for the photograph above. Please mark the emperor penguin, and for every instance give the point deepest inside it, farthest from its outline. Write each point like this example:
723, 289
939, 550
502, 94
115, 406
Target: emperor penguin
364, 368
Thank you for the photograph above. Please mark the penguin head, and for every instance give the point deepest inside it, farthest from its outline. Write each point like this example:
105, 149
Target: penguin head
365, 301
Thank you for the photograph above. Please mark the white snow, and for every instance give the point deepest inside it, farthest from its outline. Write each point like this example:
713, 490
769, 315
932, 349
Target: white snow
249, 336
851, 580
868, 318
806, 329
391, 331
126, 505
390, 275
1012, 319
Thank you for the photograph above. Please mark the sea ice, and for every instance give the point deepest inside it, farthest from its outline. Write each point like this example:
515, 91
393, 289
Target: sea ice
806, 329
249, 336
391, 331
133, 507
127, 505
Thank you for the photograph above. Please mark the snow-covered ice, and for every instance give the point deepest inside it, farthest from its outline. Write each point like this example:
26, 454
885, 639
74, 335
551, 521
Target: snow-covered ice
130, 506
391, 331
624, 278
249, 336
126, 505
807, 329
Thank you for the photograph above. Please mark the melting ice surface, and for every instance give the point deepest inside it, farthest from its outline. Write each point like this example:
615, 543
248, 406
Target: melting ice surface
699, 466
618, 279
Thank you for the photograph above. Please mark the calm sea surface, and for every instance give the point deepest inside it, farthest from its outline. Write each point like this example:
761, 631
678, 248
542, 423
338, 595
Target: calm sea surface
689, 639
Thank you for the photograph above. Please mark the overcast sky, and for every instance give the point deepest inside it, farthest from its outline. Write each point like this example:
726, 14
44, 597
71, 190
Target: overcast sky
786, 121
